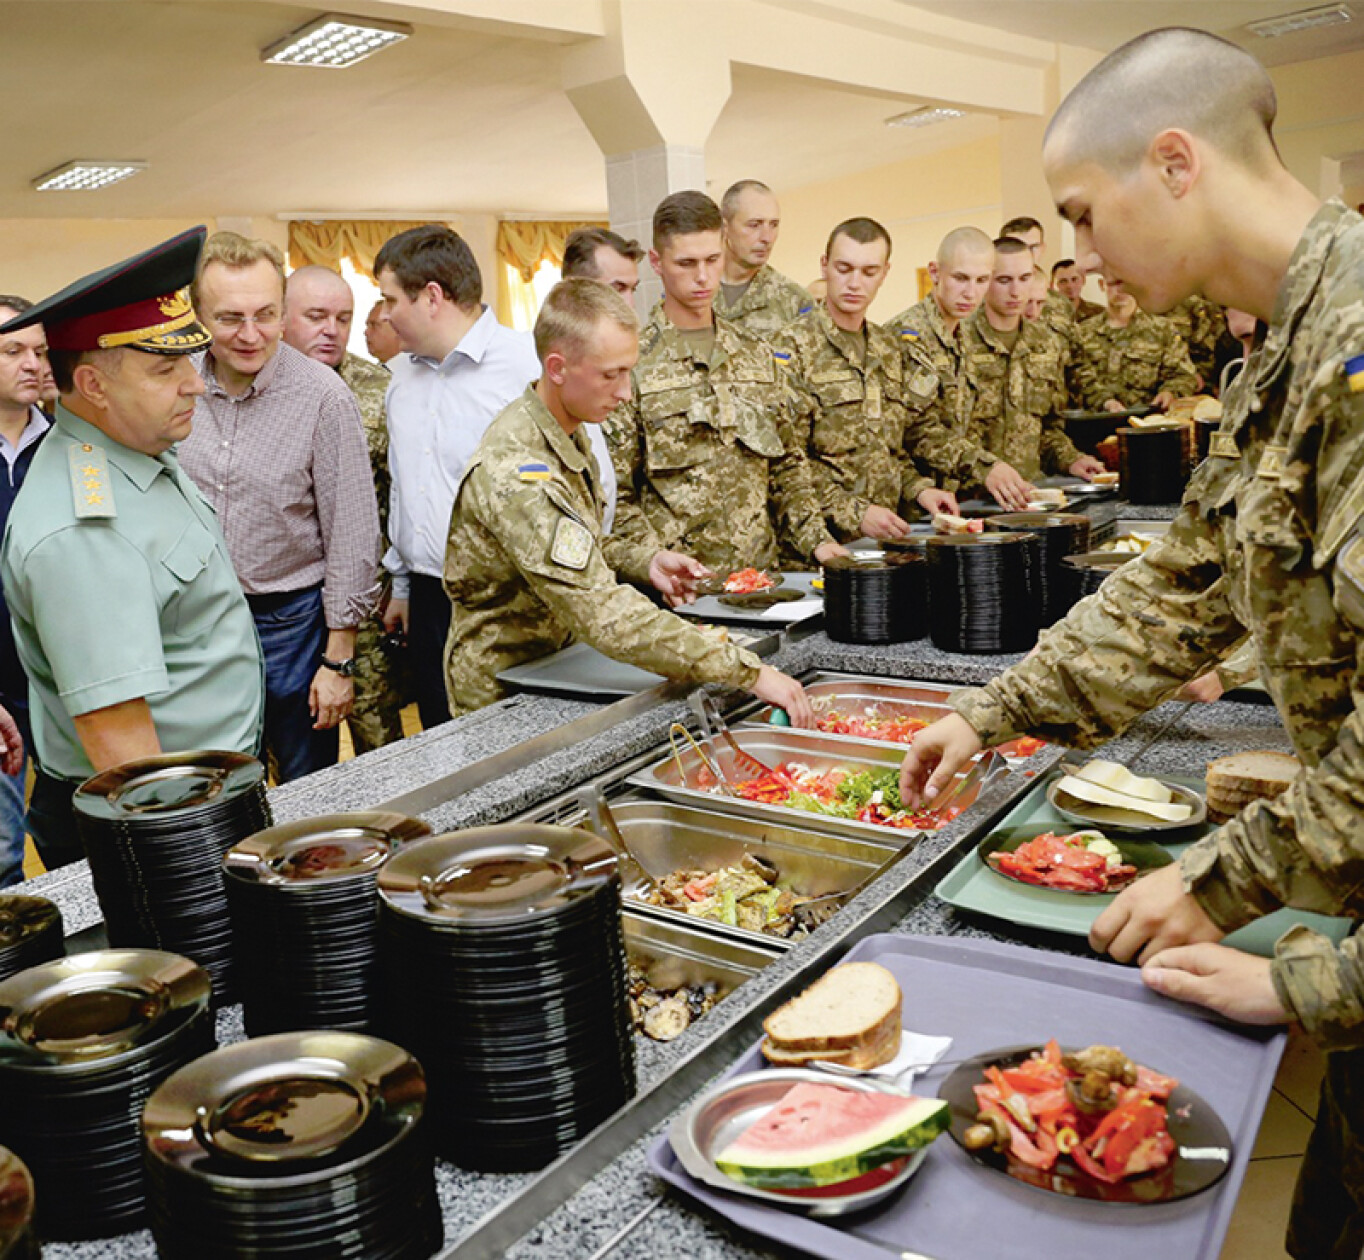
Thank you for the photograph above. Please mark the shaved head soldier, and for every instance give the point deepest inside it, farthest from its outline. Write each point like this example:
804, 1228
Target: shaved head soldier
1155, 158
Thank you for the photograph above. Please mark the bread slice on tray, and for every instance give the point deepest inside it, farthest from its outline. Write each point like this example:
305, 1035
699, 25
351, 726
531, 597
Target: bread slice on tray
850, 1015
1252, 774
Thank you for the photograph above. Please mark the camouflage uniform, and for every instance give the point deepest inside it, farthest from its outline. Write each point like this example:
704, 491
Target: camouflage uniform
1132, 364
1200, 324
1017, 398
375, 719
527, 568
1085, 309
1270, 540
770, 302
924, 337
706, 457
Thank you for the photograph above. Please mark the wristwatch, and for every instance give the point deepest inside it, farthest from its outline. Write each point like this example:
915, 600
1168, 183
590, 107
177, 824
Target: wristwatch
345, 668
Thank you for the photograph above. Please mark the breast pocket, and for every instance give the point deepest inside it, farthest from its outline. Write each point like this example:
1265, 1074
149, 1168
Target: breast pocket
1042, 383
677, 432
183, 563
1140, 369
839, 424
754, 408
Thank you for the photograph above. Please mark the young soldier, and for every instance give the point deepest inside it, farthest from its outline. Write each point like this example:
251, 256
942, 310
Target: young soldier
1154, 157
1069, 281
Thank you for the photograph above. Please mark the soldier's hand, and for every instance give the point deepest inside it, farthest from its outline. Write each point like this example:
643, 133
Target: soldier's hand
828, 550
1206, 688
934, 758
784, 692
1086, 466
12, 759
1224, 980
881, 523
395, 615
329, 698
1113, 405
933, 501
675, 576
1153, 914
1008, 487
1163, 400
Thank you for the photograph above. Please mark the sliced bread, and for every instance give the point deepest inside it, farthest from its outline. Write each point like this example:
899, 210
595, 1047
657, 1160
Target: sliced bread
881, 1047
1260, 773
847, 1009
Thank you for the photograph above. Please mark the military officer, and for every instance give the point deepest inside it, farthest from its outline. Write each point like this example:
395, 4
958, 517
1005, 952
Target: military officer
857, 409
1129, 358
319, 308
1017, 378
127, 614
753, 294
1269, 540
527, 567
705, 455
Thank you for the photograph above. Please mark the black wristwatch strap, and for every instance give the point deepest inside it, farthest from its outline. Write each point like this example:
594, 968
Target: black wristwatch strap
345, 668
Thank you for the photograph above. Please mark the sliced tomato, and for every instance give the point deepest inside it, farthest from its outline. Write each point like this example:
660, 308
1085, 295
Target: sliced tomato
1091, 1167
1153, 1083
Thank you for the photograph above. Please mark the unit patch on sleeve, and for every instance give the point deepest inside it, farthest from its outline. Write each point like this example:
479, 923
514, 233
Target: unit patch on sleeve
572, 545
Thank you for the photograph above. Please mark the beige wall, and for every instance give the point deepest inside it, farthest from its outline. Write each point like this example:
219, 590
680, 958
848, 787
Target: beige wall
1319, 111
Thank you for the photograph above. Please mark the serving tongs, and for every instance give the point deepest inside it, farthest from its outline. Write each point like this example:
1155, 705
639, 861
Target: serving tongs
602, 822
984, 772
713, 727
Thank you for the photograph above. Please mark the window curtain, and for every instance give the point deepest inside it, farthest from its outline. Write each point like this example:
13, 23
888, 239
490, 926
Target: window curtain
522, 246
325, 244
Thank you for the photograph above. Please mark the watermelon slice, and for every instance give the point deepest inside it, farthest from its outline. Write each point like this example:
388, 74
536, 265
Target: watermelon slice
818, 1135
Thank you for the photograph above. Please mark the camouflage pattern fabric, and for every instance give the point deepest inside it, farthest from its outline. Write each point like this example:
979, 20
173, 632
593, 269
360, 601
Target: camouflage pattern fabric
1132, 364
1085, 309
1327, 1221
706, 457
770, 302
1017, 396
1200, 324
1269, 540
380, 676
924, 338
527, 569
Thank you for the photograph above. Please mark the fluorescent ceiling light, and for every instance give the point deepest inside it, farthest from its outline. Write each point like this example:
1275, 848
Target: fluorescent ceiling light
335, 41
924, 116
85, 176
1302, 20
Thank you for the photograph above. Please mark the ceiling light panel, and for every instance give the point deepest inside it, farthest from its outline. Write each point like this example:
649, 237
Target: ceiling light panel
86, 176
334, 42
1302, 20
924, 116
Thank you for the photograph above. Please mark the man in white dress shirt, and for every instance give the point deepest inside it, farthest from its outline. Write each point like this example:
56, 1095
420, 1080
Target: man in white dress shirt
461, 368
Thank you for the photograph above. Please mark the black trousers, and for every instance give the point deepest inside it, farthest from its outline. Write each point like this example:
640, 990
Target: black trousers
52, 821
1327, 1222
428, 626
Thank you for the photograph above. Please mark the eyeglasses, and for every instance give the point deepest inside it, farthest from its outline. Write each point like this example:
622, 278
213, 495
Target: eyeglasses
232, 322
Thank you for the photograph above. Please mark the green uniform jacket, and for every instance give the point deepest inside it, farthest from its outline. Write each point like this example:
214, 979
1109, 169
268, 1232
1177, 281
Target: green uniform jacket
120, 588
1200, 324
924, 339
369, 383
707, 460
1017, 396
1085, 309
527, 569
770, 302
1132, 364
1269, 540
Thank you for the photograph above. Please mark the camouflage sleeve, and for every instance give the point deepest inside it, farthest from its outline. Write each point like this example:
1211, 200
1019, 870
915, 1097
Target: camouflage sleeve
1057, 450
936, 451
1208, 325
562, 562
1240, 668
1160, 620
1082, 377
1177, 373
796, 505
631, 530
1322, 986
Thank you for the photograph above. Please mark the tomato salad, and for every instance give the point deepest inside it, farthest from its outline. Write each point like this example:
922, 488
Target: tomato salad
747, 581
889, 727
1086, 861
869, 796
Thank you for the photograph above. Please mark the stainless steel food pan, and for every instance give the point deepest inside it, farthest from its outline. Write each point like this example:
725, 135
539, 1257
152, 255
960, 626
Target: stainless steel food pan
675, 954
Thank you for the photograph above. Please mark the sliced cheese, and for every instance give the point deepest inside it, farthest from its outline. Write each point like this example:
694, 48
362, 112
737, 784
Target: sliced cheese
1094, 794
1110, 774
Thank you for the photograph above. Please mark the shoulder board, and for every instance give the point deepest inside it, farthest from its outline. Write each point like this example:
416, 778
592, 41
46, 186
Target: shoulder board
91, 494
533, 472
1354, 373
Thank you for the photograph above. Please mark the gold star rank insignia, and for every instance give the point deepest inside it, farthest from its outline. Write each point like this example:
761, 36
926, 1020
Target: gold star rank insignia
91, 494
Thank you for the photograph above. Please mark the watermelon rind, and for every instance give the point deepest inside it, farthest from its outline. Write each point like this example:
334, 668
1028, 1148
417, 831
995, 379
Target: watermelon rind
828, 1163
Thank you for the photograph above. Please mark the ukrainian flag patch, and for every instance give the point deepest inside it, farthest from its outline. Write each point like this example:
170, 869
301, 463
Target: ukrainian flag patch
533, 472
782, 356
909, 334
1354, 373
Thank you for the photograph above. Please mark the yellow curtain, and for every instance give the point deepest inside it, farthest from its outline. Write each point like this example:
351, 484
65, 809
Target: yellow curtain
522, 246
325, 244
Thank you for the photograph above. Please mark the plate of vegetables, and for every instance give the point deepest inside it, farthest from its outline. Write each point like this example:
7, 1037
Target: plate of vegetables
1086, 1123
1083, 862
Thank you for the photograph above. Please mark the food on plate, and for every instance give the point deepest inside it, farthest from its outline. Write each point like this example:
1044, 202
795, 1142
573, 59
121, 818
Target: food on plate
1112, 774
872, 723
850, 1015
1092, 793
1023, 746
1207, 409
947, 523
747, 895
1085, 861
820, 1135
746, 581
1043, 497
870, 796
1106, 478
1095, 1107
664, 1014
1128, 544
1243, 778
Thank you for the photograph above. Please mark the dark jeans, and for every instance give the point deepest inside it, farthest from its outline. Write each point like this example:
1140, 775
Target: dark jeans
428, 626
293, 632
52, 822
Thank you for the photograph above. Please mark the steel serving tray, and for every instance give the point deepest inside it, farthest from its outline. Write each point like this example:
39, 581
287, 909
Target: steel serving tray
675, 954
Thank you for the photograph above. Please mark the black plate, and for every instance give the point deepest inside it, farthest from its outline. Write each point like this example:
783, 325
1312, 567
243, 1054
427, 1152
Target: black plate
756, 601
1145, 855
1202, 1156
1127, 413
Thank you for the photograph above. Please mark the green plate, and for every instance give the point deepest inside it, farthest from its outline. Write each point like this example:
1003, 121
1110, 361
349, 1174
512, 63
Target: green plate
971, 886
1145, 855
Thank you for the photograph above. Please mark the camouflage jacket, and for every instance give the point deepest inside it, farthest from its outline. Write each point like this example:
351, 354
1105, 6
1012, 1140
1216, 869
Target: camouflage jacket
1084, 309
924, 338
706, 457
770, 302
1200, 324
1132, 364
527, 569
1270, 540
1017, 396
369, 383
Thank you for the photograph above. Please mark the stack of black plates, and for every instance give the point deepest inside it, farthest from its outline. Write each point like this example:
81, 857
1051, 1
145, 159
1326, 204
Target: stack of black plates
307, 1145
17, 1239
83, 1043
30, 933
155, 832
1093, 567
876, 597
1061, 534
303, 919
983, 592
1153, 463
504, 972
